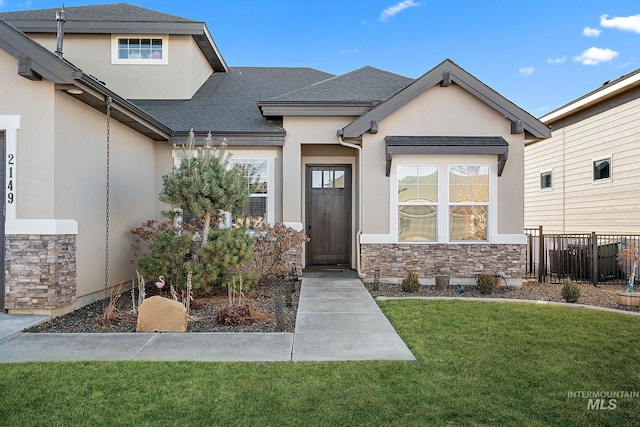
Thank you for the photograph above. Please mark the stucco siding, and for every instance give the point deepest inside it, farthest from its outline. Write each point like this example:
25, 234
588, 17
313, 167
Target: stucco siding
33, 102
302, 130
444, 111
80, 189
186, 71
607, 206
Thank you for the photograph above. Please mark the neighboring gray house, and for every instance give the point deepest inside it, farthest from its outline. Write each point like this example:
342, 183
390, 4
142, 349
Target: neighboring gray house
379, 169
585, 178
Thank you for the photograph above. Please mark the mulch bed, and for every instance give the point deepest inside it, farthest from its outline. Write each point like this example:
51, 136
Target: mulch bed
202, 314
262, 304
603, 295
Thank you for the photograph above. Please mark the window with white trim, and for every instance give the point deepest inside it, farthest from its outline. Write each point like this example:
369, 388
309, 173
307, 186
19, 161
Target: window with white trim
546, 181
143, 49
417, 203
443, 202
602, 169
255, 211
468, 202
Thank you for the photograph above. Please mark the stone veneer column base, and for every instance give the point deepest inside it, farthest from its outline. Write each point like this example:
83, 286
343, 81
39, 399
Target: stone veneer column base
454, 259
40, 272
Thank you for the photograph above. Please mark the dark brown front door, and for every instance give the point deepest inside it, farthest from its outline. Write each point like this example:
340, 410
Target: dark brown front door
328, 215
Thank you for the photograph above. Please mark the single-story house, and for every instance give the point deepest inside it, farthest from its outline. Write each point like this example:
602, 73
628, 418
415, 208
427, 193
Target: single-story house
379, 169
585, 178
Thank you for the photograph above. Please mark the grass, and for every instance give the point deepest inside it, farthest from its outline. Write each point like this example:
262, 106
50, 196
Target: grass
478, 364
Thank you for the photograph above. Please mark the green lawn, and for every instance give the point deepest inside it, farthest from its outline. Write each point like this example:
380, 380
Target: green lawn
478, 364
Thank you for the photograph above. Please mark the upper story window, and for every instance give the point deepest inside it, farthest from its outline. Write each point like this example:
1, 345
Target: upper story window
141, 49
602, 169
546, 182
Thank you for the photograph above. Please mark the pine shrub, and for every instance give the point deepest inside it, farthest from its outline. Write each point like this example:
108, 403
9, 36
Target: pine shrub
486, 284
570, 291
411, 283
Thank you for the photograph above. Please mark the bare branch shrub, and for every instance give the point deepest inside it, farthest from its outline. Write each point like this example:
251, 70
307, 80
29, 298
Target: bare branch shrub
272, 249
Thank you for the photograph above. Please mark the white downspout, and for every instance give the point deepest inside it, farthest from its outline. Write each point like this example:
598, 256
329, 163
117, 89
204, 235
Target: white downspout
360, 199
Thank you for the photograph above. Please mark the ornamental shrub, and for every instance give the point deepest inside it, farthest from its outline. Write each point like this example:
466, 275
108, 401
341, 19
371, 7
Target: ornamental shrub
204, 184
273, 245
570, 291
411, 283
486, 284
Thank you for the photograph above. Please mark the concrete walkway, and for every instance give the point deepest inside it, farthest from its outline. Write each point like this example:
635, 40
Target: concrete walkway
337, 321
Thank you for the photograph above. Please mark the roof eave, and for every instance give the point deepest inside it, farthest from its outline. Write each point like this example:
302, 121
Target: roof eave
36, 62
234, 138
314, 108
592, 99
40, 60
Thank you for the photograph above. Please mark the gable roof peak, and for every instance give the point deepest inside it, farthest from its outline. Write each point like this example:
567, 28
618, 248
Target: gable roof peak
444, 74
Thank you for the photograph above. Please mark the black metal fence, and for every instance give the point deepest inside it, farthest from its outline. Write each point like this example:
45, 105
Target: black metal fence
587, 257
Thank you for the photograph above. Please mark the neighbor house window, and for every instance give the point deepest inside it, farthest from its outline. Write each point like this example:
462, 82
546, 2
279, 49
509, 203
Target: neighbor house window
545, 181
602, 169
468, 202
139, 49
255, 210
417, 203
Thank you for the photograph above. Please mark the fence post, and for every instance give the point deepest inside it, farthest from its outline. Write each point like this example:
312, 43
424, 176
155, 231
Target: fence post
541, 258
594, 258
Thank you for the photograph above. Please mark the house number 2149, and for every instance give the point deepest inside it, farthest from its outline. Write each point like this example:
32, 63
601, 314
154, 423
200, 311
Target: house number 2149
10, 164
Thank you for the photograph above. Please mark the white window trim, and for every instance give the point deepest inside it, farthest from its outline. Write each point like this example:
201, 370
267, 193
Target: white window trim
443, 162
248, 155
243, 157
550, 172
165, 49
602, 180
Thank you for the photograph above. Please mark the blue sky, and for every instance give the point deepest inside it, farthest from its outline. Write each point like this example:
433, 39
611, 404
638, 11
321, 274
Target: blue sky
539, 54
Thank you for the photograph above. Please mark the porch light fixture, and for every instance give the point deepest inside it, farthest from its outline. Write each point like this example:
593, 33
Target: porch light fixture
75, 91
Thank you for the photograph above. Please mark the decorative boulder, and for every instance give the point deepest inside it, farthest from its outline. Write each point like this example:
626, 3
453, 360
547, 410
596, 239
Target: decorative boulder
159, 314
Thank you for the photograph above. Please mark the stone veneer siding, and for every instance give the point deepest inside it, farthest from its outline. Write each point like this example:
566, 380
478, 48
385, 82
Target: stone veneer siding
40, 271
453, 259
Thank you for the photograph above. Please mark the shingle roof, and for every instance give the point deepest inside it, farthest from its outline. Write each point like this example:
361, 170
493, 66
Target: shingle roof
102, 12
365, 84
227, 101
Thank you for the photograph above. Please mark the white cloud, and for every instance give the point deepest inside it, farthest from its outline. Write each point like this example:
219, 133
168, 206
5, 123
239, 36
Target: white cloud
348, 51
395, 9
624, 23
595, 55
527, 71
557, 60
591, 32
